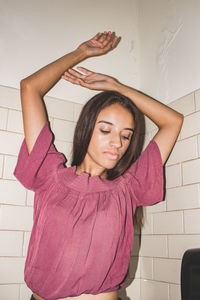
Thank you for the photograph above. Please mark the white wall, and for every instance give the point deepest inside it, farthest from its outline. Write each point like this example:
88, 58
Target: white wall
34, 33
169, 48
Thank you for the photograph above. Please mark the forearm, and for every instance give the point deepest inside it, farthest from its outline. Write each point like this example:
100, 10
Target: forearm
44, 79
159, 113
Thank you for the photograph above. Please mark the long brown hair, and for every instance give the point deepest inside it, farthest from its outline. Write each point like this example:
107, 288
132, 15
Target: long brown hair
85, 127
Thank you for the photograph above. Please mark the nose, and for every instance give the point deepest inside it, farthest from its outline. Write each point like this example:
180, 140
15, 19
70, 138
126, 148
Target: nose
116, 141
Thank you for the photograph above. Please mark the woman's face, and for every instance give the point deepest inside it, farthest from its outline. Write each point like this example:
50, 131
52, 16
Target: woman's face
110, 139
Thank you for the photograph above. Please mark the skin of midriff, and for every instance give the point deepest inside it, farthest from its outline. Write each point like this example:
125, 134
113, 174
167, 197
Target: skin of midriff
103, 296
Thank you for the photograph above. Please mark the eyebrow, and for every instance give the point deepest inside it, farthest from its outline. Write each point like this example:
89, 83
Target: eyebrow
106, 122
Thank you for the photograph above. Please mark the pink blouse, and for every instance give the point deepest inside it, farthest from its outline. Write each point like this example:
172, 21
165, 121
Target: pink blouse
82, 233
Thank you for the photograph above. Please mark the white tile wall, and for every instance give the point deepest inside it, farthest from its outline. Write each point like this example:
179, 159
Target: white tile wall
197, 99
152, 290
184, 105
16, 217
183, 197
9, 165
178, 244
167, 270
9, 292
173, 176
63, 130
59, 109
12, 192
1, 165
25, 292
12, 270
168, 223
11, 243
154, 246
10, 143
146, 264
176, 220
192, 221
174, 291
15, 123
3, 118
191, 125
184, 150
191, 171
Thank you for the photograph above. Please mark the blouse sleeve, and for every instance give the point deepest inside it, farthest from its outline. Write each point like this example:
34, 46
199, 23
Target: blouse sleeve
33, 169
145, 177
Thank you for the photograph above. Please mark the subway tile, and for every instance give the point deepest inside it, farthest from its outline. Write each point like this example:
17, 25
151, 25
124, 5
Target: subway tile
148, 223
197, 99
3, 118
10, 98
65, 148
184, 197
174, 292
173, 176
184, 150
134, 289
11, 243
9, 292
9, 166
1, 165
25, 292
77, 110
146, 265
191, 221
12, 192
191, 171
134, 267
152, 290
12, 270
60, 109
158, 207
27, 236
185, 105
63, 130
10, 143
154, 246
15, 122
191, 125
30, 198
168, 222
16, 217
178, 244
167, 270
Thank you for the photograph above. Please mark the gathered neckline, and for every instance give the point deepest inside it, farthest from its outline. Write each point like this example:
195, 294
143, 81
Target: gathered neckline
86, 183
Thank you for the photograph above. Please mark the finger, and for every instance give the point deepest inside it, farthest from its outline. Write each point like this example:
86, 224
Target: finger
84, 70
103, 37
96, 37
71, 79
116, 41
75, 73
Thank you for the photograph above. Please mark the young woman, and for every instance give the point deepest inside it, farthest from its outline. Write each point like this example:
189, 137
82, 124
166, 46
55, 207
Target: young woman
83, 215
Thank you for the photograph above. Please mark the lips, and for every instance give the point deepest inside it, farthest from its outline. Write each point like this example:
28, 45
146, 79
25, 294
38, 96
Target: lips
111, 155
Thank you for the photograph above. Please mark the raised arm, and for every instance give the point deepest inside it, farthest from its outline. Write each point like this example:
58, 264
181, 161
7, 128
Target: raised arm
34, 87
168, 120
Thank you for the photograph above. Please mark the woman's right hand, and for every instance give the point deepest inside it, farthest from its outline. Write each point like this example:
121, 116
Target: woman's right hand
100, 44
91, 80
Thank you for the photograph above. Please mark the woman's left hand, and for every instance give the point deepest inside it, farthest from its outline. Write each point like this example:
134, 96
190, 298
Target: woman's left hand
91, 80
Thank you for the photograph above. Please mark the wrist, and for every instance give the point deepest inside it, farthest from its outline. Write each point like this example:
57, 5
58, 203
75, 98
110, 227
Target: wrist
80, 54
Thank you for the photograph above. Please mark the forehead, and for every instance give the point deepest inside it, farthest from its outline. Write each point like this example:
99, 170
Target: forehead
117, 115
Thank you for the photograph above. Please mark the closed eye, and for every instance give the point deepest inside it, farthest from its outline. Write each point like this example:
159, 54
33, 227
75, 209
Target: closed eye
104, 131
126, 137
